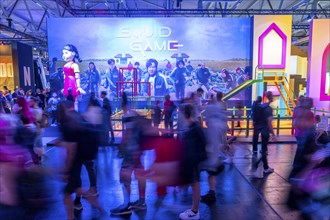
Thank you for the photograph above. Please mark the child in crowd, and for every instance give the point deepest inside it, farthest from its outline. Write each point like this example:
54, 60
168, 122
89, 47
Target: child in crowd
157, 114
194, 152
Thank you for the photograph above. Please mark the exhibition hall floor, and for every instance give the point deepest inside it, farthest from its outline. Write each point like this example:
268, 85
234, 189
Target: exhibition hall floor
239, 196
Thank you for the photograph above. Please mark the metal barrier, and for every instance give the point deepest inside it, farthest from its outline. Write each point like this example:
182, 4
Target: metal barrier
119, 90
277, 110
278, 122
231, 124
277, 119
247, 128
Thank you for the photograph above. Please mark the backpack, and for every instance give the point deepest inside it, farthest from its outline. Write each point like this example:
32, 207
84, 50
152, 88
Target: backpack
257, 113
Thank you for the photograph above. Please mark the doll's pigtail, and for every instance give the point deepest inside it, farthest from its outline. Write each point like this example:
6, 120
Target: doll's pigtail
78, 58
76, 54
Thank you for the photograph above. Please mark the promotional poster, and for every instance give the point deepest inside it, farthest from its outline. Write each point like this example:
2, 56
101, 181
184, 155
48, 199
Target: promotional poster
159, 55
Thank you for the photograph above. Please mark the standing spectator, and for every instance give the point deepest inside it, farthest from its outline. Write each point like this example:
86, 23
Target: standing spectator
3, 99
203, 76
4, 102
194, 152
47, 95
169, 109
9, 97
6, 90
107, 121
15, 93
28, 94
179, 79
265, 127
112, 77
7, 94
256, 118
21, 92
52, 103
157, 114
239, 111
158, 86
42, 99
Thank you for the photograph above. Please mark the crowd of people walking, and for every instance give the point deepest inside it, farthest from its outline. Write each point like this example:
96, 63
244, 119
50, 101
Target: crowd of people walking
198, 143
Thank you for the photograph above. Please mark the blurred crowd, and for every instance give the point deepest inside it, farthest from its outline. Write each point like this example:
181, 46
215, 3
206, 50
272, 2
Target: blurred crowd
24, 188
198, 143
179, 158
310, 176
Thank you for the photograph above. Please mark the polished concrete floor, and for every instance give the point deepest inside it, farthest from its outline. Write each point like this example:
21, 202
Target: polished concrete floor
239, 196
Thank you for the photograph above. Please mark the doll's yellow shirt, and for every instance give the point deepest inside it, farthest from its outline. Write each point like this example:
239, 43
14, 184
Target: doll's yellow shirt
75, 68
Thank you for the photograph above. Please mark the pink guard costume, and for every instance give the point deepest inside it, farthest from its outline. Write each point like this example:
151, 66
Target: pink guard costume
70, 80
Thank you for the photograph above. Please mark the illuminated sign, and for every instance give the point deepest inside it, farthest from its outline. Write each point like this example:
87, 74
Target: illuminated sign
6, 70
145, 39
27, 76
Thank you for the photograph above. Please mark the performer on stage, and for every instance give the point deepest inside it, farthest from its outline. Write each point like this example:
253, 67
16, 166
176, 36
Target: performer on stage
71, 71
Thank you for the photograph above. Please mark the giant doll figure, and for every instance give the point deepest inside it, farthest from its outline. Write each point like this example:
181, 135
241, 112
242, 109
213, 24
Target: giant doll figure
71, 71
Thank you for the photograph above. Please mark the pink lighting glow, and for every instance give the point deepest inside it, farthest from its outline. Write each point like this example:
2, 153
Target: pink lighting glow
274, 27
323, 89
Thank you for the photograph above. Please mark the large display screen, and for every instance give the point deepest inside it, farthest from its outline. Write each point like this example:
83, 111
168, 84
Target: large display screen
215, 52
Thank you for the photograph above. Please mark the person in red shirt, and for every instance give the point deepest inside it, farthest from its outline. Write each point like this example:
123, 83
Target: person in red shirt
169, 109
166, 169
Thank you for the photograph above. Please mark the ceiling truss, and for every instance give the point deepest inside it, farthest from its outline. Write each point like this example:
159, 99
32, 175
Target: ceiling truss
26, 20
